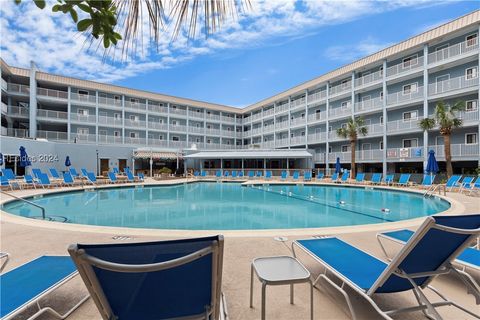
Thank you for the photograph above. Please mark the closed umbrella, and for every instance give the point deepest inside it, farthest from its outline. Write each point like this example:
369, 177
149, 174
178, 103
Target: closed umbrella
338, 166
1, 159
24, 161
432, 165
67, 162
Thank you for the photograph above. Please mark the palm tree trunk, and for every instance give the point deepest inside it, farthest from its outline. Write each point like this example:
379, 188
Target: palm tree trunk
352, 148
448, 155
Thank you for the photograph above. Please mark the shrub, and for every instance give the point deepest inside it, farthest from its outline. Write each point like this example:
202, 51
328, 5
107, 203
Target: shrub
166, 170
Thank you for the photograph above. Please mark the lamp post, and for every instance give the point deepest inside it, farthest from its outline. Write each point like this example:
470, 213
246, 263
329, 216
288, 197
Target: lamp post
98, 170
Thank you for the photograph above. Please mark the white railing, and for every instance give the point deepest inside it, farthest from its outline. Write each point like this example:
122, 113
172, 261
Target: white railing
452, 84
56, 94
298, 140
51, 114
109, 120
341, 111
228, 133
135, 105
403, 125
135, 123
200, 130
341, 88
332, 135
18, 133
212, 132
319, 157
405, 153
297, 103
228, 119
178, 144
18, 88
453, 51
269, 112
52, 135
4, 108
4, 84
317, 137
268, 128
281, 125
157, 142
399, 97
297, 121
281, 108
109, 139
196, 114
456, 150
256, 116
256, 131
177, 111
18, 111
317, 116
317, 96
212, 145
468, 116
239, 134
344, 156
374, 129
211, 116
178, 128
83, 138
282, 142
369, 78
140, 141
85, 118
158, 109
110, 101
239, 120
368, 105
83, 97
403, 67
369, 155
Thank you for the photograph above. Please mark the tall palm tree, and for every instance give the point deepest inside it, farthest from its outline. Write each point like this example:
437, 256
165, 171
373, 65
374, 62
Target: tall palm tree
445, 117
354, 128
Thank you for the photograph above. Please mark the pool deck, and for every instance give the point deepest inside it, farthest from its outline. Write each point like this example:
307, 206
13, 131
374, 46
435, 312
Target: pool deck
26, 239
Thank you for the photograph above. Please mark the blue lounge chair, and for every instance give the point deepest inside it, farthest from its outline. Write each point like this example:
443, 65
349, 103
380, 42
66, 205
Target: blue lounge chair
91, 178
196, 174
36, 173
130, 176
141, 176
226, 173
28, 181
467, 259
73, 172
307, 176
320, 176
113, 177
8, 173
29, 282
268, 175
376, 178
240, 174
334, 177
54, 173
427, 180
218, 174
115, 170
296, 175
44, 181
5, 183
360, 177
388, 180
68, 179
429, 253
259, 174
403, 180
345, 176
465, 183
176, 279
84, 172
251, 174
452, 182
472, 187
234, 174
203, 174
284, 175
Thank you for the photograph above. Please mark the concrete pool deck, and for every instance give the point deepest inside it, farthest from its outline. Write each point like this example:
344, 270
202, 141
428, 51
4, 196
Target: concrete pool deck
26, 239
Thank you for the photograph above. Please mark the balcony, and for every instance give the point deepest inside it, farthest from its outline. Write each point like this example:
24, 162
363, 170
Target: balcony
18, 88
458, 151
83, 138
158, 109
469, 117
52, 115
157, 142
369, 105
109, 139
239, 134
319, 157
83, 97
55, 94
452, 84
4, 85
281, 108
110, 102
212, 145
256, 116
404, 125
16, 111
4, 108
298, 121
281, 125
211, 116
268, 128
341, 89
298, 140
374, 130
360, 156
110, 121
228, 119
178, 144
138, 141
199, 130
453, 52
268, 113
135, 105
317, 97
178, 128
228, 133
268, 144
256, 131
86, 118
17, 133
212, 132
318, 137
196, 114
404, 97
369, 79
135, 123
178, 111
317, 117
297, 104
405, 67
403, 154
52, 135
341, 111
282, 142
333, 136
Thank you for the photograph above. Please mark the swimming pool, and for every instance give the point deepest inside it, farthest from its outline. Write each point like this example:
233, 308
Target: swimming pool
230, 206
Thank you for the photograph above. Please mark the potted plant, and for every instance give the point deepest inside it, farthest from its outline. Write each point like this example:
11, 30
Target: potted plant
165, 172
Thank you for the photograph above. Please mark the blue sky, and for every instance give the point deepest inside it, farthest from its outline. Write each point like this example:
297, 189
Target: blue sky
279, 44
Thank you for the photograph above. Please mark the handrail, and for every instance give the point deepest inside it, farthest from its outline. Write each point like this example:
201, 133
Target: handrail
27, 201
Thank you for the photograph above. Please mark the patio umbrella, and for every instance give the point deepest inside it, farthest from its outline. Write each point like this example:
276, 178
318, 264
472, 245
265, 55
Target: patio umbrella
67, 162
432, 165
24, 161
1, 159
338, 166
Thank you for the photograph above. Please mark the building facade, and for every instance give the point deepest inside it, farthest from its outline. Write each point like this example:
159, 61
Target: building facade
393, 90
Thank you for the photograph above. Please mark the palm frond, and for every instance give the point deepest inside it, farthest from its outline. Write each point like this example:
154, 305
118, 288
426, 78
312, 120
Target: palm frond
342, 132
458, 106
427, 124
457, 123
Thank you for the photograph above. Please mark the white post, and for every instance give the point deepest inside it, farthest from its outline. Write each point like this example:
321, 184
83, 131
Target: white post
151, 165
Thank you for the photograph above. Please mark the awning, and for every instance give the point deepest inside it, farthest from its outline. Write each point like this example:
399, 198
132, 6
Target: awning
156, 155
251, 154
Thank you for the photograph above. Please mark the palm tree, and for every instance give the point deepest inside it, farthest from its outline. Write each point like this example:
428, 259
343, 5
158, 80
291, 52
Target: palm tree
354, 127
445, 117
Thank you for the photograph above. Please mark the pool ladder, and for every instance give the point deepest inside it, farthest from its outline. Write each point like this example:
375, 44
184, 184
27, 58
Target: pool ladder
431, 191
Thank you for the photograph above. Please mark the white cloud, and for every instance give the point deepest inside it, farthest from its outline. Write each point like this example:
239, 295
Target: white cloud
348, 53
50, 39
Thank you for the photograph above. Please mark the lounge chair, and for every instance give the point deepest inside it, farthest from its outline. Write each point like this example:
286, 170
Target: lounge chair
115, 170
240, 174
26, 284
5, 183
68, 179
413, 268
130, 176
73, 172
452, 183
427, 181
218, 174
259, 174
467, 259
91, 178
334, 177
37, 172
403, 180
296, 175
251, 174
226, 173
196, 174
176, 279
388, 179
472, 187
268, 175
8, 173
141, 177
28, 181
84, 172
44, 181
320, 176
203, 174
307, 176
234, 174
284, 175
466, 182
360, 177
376, 178
113, 178
54, 173
345, 176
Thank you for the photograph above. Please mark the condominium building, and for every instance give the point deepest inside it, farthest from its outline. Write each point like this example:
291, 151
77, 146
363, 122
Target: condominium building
392, 90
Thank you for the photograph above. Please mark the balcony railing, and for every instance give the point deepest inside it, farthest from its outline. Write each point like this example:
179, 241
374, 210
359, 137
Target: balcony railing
110, 101
401, 96
212, 145
341, 111
52, 135
139, 141
298, 140
109, 120
83, 97
4, 108
177, 111
158, 109
369, 79
157, 142
18, 133
228, 133
4, 84
452, 84
135, 123
317, 137
212, 132
228, 119
257, 116
298, 103
317, 116
200, 130
281, 125
51, 114
178, 128
469, 116
211, 116
282, 142
18, 88
268, 144
109, 139
374, 129
404, 125
178, 144
453, 51
333, 136
319, 157
239, 134
196, 114
83, 138
458, 151
18, 111
85, 118
281, 108
403, 67
317, 96
415, 153
268, 128
369, 105
56, 94
297, 121
360, 155
268, 113
340, 88
256, 131
135, 105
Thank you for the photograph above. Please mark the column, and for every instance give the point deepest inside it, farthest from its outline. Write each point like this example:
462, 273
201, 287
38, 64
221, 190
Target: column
425, 103
327, 122
478, 105
168, 124
384, 110
33, 101
123, 119
96, 117
306, 118
69, 110
188, 125
274, 125
289, 116
352, 95
147, 142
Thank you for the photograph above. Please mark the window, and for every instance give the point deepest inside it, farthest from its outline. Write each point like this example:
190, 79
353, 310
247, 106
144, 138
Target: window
82, 131
380, 145
410, 143
82, 112
134, 135
471, 73
134, 118
116, 133
197, 140
209, 141
291, 135
197, 125
117, 116
329, 149
330, 129
175, 138
230, 129
302, 133
410, 88
133, 101
174, 107
117, 98
409, 116
471, 40
345, 148
160, 137
381, 95
471, 105
381, 119
410, 61
174, 122
160, 121
471, 138
83, 92
345, 104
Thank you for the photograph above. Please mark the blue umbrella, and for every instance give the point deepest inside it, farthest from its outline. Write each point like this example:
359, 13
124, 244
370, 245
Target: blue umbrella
1, 159
338, 166
432, 165
67, 162
24, 161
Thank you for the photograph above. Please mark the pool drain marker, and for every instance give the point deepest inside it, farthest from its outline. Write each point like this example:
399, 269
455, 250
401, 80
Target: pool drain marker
281, 239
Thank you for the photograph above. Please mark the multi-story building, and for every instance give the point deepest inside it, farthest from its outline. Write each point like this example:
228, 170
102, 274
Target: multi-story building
392, 90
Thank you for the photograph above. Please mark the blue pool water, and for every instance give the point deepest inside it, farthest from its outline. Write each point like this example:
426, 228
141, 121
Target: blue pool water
229, 206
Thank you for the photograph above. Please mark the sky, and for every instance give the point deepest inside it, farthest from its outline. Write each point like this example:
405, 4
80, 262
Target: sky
272, 47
